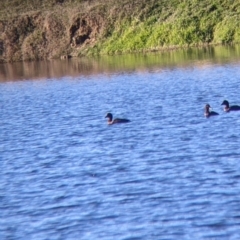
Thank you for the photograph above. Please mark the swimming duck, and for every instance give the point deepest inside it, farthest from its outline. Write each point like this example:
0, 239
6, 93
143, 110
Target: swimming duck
208, 112
228, 108
116, 120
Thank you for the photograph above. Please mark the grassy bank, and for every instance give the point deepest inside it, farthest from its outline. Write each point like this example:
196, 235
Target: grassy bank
172, 24
54, 28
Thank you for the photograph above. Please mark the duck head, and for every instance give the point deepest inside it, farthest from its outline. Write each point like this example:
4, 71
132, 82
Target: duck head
225, 103
109, 116
207, 110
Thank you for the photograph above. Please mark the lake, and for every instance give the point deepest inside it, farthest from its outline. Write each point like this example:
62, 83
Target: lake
170, 173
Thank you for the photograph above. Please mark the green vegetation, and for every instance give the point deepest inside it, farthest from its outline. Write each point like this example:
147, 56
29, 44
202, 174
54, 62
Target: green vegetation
91, 27
176, 24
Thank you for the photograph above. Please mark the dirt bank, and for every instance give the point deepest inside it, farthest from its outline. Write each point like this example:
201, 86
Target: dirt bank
32, 30
45, 35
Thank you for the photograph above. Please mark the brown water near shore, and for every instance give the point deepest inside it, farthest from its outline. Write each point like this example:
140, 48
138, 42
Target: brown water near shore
110, 64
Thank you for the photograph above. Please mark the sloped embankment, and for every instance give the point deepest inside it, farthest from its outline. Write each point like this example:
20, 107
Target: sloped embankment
37, 35
63, 28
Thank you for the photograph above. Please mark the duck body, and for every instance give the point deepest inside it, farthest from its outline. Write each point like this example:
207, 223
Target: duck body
229, 108
116, 120
208, 112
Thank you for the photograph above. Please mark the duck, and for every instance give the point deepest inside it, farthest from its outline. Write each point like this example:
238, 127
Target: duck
229, 108
208, 112
116, 120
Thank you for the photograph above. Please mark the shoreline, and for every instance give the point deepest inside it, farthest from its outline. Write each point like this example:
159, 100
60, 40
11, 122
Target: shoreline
62, 29
142, 51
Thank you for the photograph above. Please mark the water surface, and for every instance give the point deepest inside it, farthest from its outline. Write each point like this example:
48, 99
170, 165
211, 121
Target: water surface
168, 174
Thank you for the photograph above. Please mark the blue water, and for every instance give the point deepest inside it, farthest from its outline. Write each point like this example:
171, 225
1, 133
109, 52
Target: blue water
168, 174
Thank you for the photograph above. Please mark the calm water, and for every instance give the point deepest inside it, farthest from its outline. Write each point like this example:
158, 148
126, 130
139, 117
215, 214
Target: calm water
168, 174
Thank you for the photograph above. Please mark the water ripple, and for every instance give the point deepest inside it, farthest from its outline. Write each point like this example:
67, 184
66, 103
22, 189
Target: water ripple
168, 174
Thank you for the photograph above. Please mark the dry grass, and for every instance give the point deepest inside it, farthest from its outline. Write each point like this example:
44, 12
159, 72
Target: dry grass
51, 28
